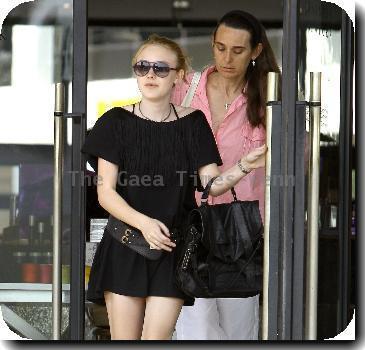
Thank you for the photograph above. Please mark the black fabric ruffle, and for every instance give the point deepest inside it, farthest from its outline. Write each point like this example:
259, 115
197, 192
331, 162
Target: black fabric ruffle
142, 147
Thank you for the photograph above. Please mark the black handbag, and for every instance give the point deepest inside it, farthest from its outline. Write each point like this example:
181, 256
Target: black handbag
133, 238
221, 255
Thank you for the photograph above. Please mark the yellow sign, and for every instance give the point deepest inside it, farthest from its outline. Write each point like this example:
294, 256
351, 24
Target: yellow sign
103, 106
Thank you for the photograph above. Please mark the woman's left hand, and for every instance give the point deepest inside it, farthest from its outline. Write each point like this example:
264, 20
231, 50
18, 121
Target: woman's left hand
255, 159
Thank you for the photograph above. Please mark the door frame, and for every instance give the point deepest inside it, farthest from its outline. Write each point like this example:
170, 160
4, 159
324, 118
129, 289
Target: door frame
78, 191
345, 171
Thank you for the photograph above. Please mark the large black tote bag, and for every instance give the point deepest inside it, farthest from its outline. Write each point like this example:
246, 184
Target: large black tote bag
221, 255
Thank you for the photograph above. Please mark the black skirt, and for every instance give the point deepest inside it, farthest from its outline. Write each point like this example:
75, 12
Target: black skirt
120, 270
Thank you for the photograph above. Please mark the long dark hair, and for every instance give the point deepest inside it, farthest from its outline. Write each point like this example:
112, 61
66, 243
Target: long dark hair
256, 76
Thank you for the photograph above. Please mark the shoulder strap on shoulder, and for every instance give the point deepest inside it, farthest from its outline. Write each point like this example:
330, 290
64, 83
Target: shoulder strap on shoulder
192, 88
173, 107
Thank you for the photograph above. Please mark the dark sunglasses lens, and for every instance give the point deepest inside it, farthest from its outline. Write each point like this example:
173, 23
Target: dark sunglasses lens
141, 68
162, 70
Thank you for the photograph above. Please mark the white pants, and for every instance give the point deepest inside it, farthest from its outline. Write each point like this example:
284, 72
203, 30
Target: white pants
219, 319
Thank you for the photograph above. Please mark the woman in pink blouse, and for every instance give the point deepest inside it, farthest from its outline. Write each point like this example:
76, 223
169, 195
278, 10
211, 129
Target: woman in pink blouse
232, 95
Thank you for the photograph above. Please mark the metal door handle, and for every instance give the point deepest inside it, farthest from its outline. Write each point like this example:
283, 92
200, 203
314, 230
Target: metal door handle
57, 210
272, 96
59, 129
313, 207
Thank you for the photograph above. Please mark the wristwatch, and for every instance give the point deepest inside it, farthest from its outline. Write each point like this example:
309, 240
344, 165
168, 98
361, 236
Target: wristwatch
245, 171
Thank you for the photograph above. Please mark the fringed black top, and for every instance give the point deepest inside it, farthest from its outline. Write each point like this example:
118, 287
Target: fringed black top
158, 161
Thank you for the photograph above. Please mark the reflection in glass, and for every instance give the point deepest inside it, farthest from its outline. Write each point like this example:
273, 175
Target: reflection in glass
320, 51
36, 53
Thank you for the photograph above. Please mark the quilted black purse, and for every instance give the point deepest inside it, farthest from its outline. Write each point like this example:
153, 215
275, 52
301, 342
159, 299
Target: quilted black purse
133, 238
221, 256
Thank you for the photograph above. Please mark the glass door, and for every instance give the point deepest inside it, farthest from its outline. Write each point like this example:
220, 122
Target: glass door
312, 272
37, 51
326, 30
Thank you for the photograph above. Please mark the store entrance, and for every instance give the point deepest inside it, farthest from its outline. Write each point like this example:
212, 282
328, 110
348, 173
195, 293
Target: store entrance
88, 46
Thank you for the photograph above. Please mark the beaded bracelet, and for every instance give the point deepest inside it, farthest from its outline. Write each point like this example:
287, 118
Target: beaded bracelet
242, 168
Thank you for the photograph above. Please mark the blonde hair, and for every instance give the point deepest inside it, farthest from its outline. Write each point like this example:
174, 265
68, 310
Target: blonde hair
154, 39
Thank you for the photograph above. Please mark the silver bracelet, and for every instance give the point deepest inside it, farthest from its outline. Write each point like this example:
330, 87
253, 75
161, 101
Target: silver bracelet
245, 171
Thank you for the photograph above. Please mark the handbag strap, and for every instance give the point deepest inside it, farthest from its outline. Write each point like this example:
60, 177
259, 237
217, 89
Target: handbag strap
206, 191
192, 88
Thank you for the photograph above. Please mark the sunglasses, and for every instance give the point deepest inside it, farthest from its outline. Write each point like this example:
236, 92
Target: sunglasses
161, 69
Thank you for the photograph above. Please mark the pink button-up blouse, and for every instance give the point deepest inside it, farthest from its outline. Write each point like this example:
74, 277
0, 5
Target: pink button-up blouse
235, 137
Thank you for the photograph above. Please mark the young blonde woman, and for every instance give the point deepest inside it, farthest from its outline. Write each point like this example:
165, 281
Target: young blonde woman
150, 157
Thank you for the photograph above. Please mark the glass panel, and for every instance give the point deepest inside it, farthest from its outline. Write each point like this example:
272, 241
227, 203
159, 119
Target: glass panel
320, 51
36, 53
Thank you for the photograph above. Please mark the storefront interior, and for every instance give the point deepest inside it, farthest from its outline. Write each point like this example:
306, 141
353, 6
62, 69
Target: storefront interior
114, 31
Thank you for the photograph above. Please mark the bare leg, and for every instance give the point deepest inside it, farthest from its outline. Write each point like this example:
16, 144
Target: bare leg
160, 317
125, 316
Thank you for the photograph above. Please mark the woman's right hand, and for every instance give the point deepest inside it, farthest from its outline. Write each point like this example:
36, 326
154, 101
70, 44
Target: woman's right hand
156, 234
255, 158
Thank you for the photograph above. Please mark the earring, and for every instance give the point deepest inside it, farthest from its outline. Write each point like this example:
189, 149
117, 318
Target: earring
253, 63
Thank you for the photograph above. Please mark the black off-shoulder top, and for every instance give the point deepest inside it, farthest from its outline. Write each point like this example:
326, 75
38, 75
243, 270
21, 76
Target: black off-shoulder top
157, 162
